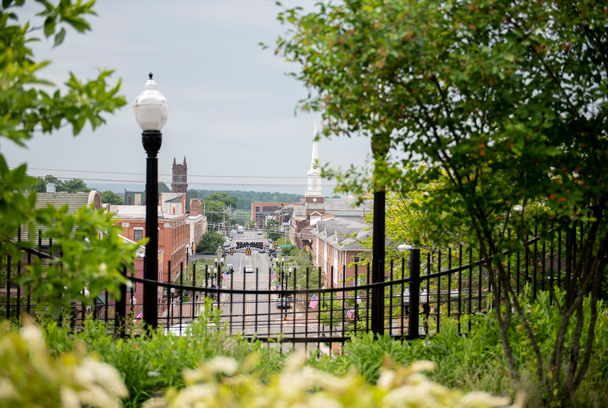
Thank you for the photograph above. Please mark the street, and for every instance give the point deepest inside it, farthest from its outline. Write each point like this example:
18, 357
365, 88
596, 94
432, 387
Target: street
257, 314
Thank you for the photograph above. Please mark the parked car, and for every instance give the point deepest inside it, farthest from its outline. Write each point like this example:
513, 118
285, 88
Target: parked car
259, 232
248, 269
283, 303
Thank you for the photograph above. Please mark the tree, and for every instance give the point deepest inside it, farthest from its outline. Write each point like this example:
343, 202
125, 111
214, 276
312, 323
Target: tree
215, 211
31, 104
224, 198
272, 228
41, 183
110, 197
75, 186
209, 242
496, 104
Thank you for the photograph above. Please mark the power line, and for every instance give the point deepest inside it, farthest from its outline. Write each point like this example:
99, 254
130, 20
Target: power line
169, 174
189, 182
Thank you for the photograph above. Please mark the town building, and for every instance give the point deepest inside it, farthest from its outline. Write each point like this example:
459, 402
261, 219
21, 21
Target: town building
173, 231
261, 213
337, 245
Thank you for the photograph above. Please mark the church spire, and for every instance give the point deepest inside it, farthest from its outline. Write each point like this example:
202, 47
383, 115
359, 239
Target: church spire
314, 172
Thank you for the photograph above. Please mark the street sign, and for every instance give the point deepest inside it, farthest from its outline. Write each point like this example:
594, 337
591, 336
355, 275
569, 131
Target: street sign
285, 246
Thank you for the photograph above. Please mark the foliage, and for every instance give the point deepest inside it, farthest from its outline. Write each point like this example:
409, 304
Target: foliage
209, 242
245, 198
226, 382
475, 362
70, 186
498, 105
272, 228
30, 104
215, 212
31, 377
150, 365
89, 259
110, 197
229, 201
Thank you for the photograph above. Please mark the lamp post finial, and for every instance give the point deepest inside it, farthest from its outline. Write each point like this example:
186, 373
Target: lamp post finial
150, 75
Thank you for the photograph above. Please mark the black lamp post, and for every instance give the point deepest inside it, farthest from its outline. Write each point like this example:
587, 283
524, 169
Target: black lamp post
282, 269
151, 112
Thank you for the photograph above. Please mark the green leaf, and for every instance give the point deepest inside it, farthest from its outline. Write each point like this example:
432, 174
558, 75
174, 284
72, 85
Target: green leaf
59, 37
49, 26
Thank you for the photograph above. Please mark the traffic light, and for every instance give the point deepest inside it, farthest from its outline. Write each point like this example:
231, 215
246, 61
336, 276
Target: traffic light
276, 244
231, 251
248, 251
307, 248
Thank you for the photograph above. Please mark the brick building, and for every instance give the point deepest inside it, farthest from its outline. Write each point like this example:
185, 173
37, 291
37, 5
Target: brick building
173, 234
337, 244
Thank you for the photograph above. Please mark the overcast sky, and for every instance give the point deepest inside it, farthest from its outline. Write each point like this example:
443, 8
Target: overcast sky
231, 104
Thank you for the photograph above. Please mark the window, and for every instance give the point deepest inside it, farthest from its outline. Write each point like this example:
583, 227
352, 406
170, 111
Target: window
357, 258
138, 234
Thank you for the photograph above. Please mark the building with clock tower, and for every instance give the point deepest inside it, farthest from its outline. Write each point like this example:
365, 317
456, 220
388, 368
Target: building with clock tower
179, 180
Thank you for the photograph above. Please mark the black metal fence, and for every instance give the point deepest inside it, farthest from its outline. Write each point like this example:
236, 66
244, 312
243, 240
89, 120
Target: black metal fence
420, 291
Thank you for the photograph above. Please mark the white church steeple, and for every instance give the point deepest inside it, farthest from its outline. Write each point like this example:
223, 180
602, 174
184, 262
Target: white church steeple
314, 172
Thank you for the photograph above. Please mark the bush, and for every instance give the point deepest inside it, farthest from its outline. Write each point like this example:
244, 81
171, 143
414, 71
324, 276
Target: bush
223, 382
209, 242
31, 377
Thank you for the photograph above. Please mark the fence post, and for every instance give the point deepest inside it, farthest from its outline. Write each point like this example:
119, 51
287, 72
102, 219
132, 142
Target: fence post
378, 264
414, 320
121, 308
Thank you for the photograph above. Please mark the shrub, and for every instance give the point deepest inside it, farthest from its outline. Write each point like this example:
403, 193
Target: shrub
224, 382
31, 377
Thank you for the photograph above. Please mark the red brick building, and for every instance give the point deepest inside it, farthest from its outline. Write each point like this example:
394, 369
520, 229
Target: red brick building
173, 235
337, 244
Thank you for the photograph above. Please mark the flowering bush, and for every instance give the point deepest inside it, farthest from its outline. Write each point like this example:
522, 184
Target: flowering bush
30, 377
222, 382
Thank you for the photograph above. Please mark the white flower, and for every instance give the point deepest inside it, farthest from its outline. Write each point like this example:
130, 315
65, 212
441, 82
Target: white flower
482, 399
69, 398
194, 393
33, 337
7, 390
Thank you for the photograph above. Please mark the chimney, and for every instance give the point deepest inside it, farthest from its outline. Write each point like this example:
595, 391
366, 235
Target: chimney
51, 188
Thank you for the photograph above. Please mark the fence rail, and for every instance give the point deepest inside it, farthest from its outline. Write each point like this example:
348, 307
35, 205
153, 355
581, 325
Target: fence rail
418, 294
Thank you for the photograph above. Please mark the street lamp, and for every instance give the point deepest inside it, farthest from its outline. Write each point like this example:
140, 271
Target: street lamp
412, 303
151, 112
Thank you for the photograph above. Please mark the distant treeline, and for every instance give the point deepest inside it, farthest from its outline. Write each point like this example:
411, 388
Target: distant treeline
248, 197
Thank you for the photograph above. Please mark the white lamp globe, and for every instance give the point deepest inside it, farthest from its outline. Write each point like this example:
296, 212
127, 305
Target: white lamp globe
151, 108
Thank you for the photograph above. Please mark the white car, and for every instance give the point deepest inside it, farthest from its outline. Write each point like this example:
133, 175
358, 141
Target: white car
248, 269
